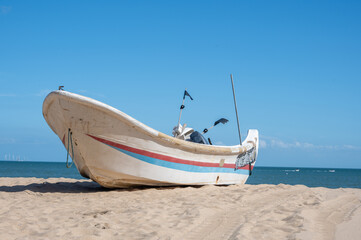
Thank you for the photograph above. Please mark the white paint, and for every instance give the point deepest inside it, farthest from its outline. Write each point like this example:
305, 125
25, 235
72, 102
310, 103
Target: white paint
111, 168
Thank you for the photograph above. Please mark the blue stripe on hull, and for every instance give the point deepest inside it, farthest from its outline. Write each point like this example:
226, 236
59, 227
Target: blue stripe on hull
180, 166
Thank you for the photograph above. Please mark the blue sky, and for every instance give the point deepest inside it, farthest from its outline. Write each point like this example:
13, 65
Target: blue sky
296, 66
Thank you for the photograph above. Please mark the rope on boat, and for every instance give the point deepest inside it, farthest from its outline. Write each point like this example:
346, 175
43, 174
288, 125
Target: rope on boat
70, 140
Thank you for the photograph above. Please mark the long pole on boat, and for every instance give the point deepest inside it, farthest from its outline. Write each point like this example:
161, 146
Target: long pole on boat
239, 131
235, 107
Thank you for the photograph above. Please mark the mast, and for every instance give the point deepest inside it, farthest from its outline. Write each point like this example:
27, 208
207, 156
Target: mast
239, 131
235, 107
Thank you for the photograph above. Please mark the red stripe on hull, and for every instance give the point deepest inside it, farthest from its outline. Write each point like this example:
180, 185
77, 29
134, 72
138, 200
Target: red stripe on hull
164, 157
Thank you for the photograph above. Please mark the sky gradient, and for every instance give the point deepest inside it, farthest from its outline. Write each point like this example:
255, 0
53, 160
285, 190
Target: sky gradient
296, 67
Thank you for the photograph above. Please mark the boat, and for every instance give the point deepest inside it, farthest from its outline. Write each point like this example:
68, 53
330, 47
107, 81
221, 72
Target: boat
117, 151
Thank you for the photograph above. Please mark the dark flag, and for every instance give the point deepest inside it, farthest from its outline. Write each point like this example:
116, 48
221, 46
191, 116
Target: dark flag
222, 120
186, 94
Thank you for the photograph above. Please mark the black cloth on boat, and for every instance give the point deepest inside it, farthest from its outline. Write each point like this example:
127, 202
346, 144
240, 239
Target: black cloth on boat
187, 94
197, 137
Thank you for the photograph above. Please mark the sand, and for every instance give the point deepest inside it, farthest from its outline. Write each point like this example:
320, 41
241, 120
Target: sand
60, 208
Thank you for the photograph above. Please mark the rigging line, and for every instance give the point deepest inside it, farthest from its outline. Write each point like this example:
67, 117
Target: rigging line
70, 140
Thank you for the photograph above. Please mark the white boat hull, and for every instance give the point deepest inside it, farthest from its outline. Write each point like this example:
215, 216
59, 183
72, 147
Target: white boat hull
116, 150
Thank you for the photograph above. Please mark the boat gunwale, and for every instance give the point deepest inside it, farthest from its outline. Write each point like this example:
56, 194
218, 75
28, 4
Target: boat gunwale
156, 135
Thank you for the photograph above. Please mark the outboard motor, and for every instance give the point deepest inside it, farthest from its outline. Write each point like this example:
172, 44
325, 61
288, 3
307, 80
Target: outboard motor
197, 137
182, 132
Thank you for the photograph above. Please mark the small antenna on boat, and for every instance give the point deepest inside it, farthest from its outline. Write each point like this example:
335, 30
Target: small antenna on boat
182, 106
235, 107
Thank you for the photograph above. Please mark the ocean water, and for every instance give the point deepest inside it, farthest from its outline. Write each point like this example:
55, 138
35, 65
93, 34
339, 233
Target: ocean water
38, 169
311, 177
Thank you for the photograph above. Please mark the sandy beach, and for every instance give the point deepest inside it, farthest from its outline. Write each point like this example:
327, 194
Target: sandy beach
60, 208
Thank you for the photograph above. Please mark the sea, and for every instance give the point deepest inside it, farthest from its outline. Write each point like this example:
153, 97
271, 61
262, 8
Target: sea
311, 177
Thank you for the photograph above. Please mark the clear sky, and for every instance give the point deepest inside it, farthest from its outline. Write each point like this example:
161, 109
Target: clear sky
296, 66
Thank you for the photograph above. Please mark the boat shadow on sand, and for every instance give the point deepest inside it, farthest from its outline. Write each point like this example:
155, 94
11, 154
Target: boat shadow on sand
76, 187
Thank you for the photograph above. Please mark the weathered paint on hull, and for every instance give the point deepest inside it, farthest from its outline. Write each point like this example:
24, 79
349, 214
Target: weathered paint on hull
116, 150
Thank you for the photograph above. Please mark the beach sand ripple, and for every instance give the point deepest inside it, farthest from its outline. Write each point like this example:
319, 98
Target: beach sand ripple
60, 208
